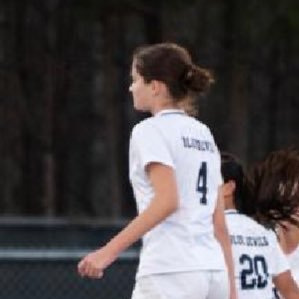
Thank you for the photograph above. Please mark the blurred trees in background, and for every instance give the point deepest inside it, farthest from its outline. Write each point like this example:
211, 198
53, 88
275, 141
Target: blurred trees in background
65, 110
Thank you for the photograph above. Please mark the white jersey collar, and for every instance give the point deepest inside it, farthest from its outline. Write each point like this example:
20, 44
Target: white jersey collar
231, 211
170, 111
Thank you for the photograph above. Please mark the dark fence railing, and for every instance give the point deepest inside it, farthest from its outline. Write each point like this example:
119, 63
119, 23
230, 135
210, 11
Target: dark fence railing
39, 261
48, 274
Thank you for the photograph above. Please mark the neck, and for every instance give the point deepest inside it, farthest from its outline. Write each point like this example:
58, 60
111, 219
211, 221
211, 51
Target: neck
291, 238
163, 106
229, 203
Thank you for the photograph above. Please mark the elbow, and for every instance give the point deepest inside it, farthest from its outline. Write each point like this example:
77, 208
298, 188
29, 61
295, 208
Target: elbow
175, 205
171, 206
165, 205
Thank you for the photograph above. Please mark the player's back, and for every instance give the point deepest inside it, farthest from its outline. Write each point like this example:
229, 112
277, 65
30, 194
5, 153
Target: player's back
193, 154
257, 256
185, 241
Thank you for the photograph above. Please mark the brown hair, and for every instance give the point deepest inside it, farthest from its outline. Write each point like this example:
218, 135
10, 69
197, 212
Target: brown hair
233, 170
273, 185
269, 191
172, 64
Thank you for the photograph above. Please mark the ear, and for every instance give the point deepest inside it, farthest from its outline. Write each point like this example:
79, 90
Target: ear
157, 87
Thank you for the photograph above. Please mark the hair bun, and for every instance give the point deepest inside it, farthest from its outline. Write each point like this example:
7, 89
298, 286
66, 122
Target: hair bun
189, 74
197, 79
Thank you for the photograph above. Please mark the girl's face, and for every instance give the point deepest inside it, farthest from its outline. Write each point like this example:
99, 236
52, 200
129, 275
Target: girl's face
141, 91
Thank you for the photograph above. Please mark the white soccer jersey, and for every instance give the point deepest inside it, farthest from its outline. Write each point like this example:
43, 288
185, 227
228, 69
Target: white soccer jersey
185, 240
294, 263
257, 256
293, 259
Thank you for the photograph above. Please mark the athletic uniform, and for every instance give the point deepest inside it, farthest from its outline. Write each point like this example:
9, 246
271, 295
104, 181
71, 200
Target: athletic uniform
293, 259
183, 245
257, 256
294, 263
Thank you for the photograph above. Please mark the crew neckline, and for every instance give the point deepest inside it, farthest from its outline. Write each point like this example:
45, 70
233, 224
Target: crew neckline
231, 211
170, 111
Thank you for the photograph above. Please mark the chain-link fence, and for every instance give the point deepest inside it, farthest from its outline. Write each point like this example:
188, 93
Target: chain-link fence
52, 274
38, 260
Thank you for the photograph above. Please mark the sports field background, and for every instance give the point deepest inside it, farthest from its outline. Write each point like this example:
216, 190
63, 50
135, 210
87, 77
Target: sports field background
66, 116
38, 259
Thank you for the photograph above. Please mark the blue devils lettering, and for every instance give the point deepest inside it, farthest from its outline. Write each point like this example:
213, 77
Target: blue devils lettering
201, 145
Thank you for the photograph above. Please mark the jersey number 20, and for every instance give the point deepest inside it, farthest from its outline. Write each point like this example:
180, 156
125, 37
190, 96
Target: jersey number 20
201, 186
255, 273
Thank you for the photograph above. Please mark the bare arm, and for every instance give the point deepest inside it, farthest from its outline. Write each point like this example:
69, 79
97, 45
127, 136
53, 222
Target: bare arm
286, 285
221, 233
164, 203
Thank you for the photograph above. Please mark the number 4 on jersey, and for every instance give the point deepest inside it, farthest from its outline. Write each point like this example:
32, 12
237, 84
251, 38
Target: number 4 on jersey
202, 183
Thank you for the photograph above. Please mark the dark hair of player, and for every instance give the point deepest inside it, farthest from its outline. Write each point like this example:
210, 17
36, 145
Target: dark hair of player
269, 192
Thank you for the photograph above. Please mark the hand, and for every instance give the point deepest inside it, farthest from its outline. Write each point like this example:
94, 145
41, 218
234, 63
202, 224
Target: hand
94, 264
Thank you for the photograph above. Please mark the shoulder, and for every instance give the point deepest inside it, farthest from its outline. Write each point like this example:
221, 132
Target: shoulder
204, 126
147, 132
206, 132
257, 226
198, 123
144, 127
236, 219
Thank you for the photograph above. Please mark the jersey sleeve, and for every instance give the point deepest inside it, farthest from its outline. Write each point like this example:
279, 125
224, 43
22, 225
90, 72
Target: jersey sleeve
150, 145
280, 261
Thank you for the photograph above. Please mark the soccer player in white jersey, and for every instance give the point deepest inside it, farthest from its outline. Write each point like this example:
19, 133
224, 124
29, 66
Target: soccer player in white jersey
175, 174
258, 258
289, 240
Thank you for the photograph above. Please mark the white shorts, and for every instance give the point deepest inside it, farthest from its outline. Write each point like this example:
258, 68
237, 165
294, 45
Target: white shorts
183, 285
